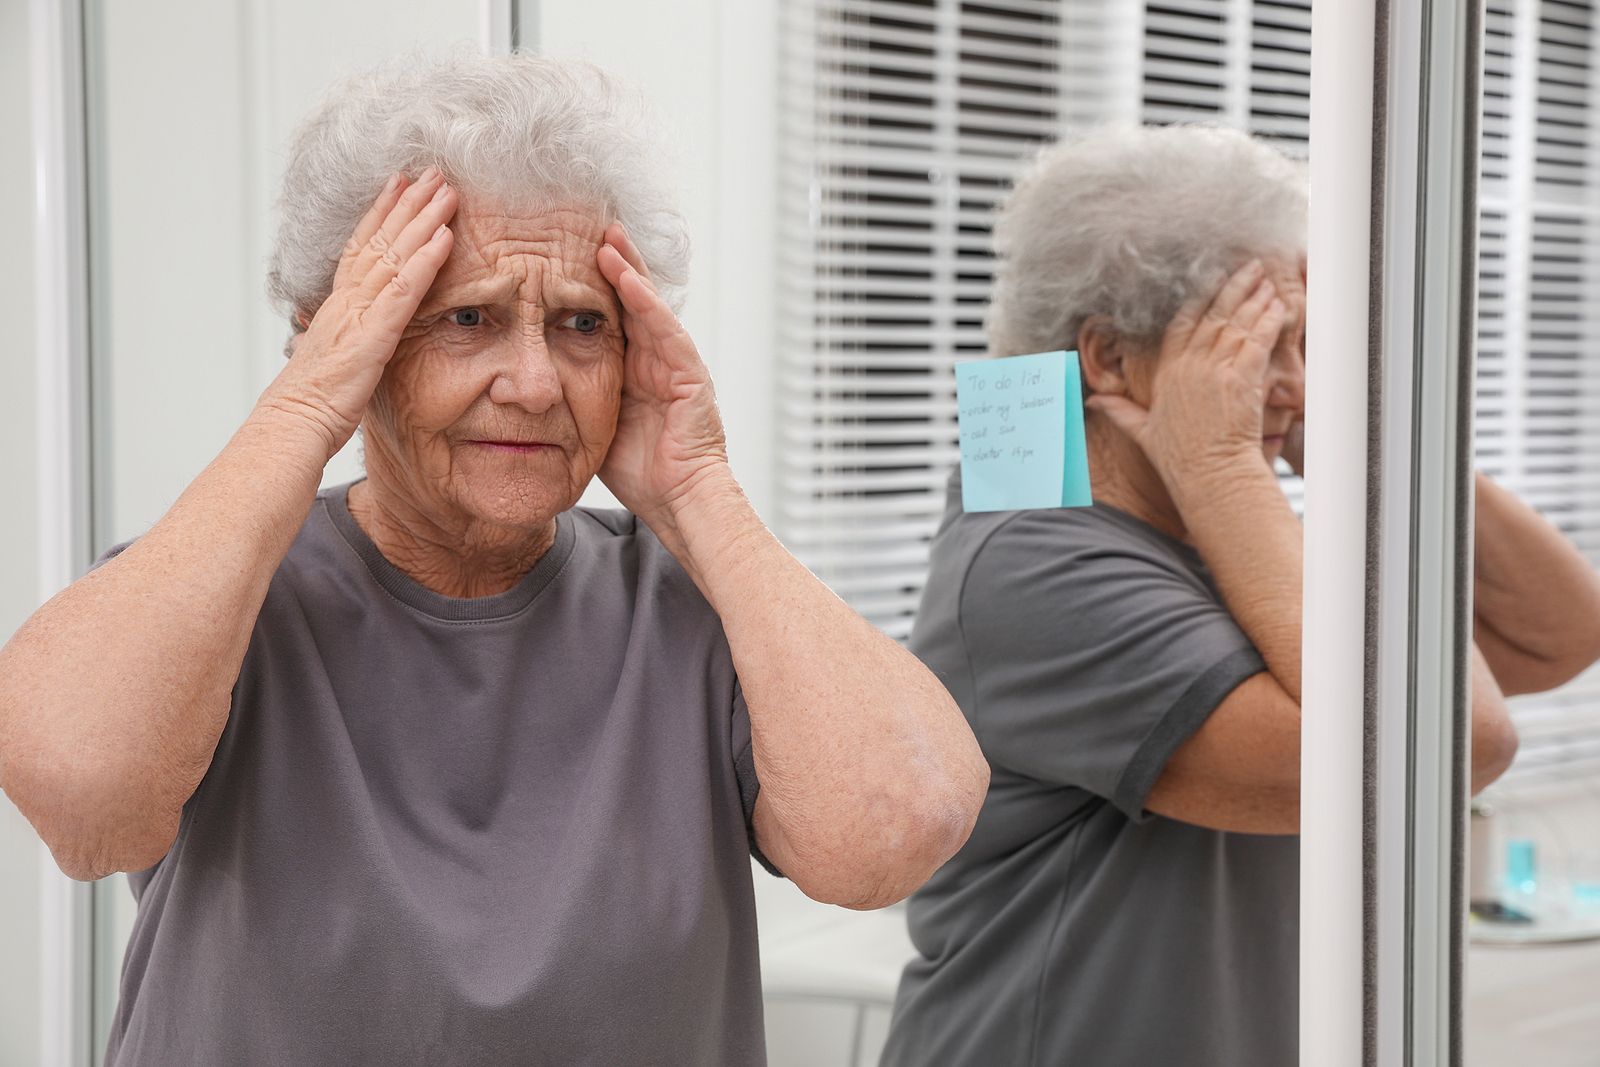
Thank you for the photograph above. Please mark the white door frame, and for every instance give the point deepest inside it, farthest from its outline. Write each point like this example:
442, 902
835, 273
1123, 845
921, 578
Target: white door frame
1388, 503
1421, 618
63, 456
1333, 690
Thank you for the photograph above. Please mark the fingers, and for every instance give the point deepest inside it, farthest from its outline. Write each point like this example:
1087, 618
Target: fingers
1238, 289
640, 302
416, 233
369, 224
1258, 320
395, 304
1262, 336
1249, 314
412, 198
618, 238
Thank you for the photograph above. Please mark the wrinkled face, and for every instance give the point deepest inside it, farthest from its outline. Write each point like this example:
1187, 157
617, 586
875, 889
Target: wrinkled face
502, 396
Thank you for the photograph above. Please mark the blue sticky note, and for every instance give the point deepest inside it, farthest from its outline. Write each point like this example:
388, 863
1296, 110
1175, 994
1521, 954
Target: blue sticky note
1022, 433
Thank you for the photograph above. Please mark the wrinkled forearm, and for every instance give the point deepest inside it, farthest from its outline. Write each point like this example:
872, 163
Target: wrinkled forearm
1243, 527
870, 777
1536, 600
113, 694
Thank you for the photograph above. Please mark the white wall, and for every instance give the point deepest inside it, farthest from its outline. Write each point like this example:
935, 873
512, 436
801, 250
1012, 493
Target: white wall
200, 99
20, 852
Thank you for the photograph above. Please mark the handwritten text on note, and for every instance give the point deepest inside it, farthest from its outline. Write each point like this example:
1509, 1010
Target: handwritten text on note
1022, 433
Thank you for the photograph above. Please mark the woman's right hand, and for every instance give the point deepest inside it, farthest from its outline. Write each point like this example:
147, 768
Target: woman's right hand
1207, 391
387, 266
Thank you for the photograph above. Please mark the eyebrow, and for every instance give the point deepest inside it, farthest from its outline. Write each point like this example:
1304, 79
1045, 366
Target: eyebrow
489, 292
572, 291
467, 294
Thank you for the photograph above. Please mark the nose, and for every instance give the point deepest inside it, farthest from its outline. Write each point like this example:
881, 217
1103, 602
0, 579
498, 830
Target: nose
528, 376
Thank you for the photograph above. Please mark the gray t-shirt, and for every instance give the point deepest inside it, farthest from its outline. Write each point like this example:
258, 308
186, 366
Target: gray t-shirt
512, 829
1075, 929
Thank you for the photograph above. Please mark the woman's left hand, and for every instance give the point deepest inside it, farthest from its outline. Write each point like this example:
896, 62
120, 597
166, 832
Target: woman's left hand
669, 443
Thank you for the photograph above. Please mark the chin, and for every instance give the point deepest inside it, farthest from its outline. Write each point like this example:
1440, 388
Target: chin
520, 501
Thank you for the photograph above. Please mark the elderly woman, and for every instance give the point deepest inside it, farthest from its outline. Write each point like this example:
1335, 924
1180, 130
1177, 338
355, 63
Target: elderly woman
437, 767
1132, 670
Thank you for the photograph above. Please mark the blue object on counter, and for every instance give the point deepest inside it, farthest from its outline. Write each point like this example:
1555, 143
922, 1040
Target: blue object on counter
1520, 873
1586, 893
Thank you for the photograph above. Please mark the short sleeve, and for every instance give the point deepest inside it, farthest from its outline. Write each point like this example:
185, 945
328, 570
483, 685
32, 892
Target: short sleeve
109, 554
1096, 648
744, 768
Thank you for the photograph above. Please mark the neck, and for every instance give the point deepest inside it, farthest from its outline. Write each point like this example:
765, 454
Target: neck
453, 554
1122, 477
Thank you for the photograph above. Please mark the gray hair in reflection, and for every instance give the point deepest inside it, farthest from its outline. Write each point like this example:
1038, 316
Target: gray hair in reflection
524, 131
1130, 222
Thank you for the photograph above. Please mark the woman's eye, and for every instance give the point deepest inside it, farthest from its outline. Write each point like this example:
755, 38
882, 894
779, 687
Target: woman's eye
584, 322
467, 317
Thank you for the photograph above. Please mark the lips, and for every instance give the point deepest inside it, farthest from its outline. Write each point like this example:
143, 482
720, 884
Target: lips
513, 447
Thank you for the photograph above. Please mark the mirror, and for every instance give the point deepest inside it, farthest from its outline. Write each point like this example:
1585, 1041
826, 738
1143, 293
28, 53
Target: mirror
844, 163
1534, 952
842, 214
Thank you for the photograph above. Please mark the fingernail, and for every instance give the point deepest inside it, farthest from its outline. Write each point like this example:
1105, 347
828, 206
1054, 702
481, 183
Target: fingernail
394, 180
429, 174
438, 235
438, 193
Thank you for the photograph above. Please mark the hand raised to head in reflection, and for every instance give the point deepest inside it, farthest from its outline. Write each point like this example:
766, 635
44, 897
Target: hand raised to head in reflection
1208, 385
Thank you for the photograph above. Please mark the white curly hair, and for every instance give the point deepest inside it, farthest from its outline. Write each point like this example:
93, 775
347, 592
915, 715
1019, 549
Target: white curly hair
1130, 222
528, 132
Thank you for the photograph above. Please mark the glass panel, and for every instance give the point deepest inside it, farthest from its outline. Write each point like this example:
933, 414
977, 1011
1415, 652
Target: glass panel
1533, 961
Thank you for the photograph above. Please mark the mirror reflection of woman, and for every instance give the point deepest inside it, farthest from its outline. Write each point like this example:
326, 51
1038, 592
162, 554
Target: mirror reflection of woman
1132, 670
438, 767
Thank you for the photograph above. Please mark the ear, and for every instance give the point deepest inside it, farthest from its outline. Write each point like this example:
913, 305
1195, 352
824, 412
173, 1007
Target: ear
1103, 357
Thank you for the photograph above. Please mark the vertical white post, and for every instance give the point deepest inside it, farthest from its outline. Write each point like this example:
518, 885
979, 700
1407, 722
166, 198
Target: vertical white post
1332, 734
497, 25
62, 363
